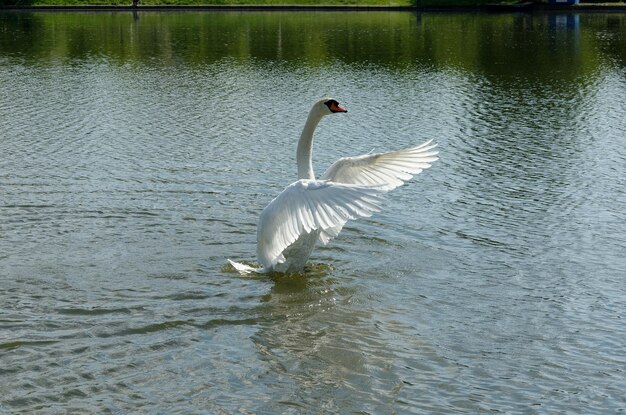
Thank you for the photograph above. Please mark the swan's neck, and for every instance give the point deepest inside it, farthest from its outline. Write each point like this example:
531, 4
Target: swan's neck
305, 147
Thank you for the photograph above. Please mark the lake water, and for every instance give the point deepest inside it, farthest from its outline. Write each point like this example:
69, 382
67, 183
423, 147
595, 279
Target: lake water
137, 151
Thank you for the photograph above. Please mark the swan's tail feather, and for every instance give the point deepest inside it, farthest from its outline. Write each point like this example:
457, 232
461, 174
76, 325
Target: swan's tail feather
244, 269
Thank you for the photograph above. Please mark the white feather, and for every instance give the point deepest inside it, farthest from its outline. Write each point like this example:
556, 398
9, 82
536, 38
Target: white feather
307, 206
388, 170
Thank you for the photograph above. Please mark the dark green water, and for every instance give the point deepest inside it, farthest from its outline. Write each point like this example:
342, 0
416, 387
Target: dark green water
136, 153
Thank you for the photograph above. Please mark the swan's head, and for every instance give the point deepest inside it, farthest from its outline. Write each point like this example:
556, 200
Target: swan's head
327, 106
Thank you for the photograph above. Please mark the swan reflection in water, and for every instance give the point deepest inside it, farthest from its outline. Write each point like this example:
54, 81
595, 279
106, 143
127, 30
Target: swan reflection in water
317, 338
313, 209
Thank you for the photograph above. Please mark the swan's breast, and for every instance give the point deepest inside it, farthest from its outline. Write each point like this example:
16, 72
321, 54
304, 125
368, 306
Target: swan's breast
297, 254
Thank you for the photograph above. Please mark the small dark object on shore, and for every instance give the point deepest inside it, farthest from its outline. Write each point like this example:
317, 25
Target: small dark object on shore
519, 6
135, 3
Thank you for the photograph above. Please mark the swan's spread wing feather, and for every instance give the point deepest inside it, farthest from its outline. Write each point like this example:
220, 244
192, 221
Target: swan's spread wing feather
330, 233
387, 170
310, 205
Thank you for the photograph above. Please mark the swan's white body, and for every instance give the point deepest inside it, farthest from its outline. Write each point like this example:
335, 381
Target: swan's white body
309, 209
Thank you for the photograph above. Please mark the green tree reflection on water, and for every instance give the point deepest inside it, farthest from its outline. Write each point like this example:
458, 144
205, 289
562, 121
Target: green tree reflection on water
503, 45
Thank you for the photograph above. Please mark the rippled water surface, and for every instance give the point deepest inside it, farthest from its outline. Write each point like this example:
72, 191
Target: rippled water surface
136, 153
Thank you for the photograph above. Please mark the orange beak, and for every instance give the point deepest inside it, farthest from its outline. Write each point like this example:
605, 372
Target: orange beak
336, 108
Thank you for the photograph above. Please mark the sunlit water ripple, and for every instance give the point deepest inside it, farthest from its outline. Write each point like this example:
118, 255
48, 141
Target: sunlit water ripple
493, 282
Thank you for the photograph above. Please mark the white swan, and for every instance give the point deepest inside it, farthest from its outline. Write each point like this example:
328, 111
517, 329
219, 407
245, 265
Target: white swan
312, 209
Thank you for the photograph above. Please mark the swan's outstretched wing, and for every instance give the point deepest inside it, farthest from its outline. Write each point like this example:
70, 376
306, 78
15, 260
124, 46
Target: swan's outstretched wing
388, 170
311, 205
